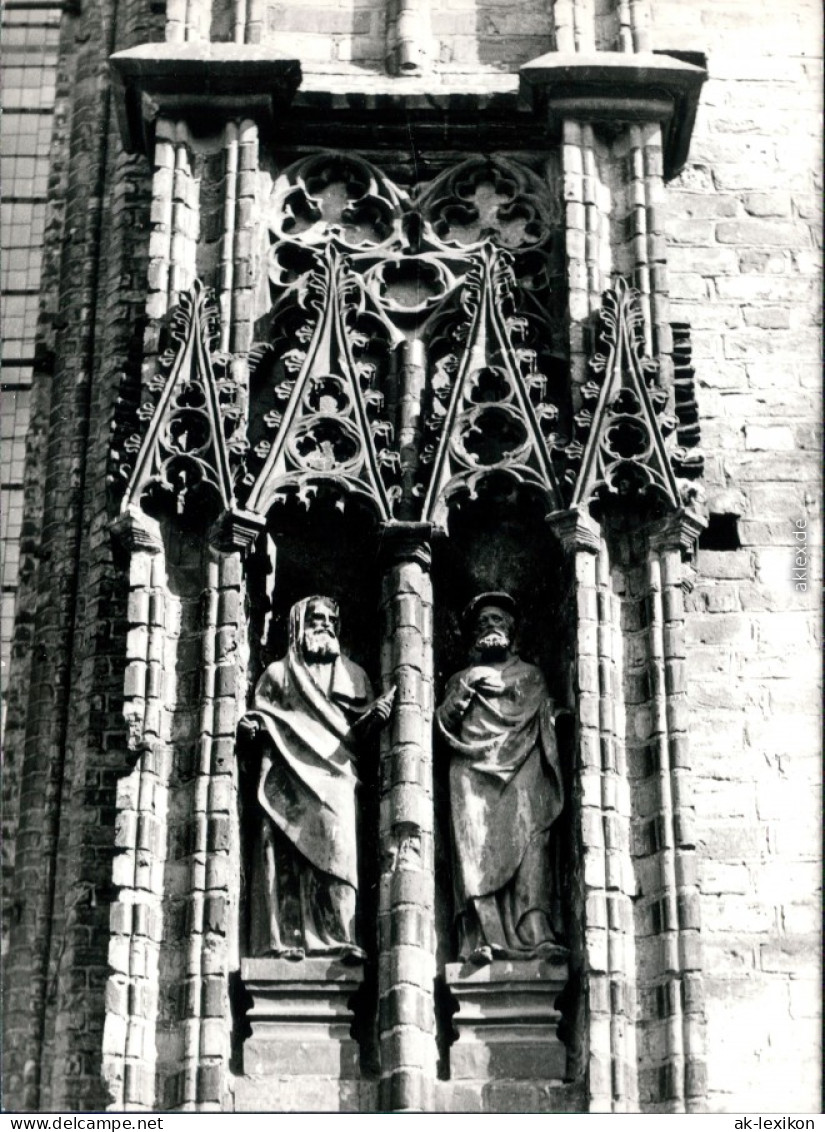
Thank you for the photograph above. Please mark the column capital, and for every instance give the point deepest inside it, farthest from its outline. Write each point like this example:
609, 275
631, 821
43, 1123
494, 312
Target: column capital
406, 542
236, 530
677, 531
576, 530
134, 530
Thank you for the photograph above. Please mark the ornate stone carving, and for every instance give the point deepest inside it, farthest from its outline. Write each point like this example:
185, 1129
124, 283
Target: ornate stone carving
489, 200
492, 415
311, 712
371, 287
618, 449
506, 792
336, 197
327, 428
320, 423
194, 410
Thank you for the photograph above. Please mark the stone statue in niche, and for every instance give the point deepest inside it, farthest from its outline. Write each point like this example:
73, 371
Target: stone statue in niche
312, 711
505, 792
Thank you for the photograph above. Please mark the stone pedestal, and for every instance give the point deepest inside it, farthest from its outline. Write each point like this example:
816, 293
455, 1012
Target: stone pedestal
508, 1056
300, 1054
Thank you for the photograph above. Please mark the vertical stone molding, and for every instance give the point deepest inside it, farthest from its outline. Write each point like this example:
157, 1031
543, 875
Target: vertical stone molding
648, 241
603, 822
241, 251
680, 992
136, 918
411, 390
619, 878
407, 887
212, 887
586, 241
174, 218
176, 911
240, 257
188, 21
587, 26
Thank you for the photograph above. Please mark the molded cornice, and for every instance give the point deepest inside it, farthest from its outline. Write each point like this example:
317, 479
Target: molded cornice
613, 86
173, 79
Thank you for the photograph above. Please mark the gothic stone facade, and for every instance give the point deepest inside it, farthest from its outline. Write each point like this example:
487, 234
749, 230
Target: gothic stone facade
401, 304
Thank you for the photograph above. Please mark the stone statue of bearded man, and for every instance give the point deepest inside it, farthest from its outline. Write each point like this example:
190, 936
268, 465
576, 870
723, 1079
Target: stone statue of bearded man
505, 792
311, 712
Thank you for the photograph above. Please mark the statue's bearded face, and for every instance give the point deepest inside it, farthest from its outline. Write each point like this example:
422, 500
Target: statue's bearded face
320, 641
493, 633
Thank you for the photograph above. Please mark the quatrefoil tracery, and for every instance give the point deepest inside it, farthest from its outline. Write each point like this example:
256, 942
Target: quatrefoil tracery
365, 281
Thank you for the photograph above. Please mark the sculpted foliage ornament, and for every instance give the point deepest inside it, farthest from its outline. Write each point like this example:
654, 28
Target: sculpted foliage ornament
459, 279
194, 409
491, 419
619, 450
363, 277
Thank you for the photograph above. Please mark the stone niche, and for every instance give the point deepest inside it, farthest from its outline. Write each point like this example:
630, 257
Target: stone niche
503, 1037
306, 1029
308, 1033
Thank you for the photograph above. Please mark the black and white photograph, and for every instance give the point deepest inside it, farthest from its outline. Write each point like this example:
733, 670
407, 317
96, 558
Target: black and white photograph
411, 493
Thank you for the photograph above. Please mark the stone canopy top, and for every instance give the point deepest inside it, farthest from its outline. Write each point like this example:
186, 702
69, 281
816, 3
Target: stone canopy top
174, 79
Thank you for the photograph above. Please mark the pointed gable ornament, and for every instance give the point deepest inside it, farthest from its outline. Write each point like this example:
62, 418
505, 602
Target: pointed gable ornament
197, 418
621, 445
328, 439
492, 429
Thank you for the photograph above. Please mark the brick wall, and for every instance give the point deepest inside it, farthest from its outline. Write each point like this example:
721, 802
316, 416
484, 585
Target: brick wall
743, 224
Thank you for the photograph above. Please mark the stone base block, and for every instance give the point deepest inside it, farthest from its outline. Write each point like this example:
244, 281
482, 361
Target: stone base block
508, 1056
300, 1055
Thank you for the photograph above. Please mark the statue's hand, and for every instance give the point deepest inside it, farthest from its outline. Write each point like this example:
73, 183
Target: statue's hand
483, 679
249, 726
381, 709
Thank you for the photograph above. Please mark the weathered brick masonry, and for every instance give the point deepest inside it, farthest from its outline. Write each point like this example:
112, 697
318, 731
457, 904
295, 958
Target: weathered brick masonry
695, 796
744, 227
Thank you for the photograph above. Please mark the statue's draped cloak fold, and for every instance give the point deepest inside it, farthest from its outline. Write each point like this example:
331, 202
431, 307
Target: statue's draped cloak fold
505, 778
308, 783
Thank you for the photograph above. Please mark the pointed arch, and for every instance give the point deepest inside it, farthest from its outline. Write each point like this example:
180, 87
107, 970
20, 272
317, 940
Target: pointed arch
494, 419
184, 455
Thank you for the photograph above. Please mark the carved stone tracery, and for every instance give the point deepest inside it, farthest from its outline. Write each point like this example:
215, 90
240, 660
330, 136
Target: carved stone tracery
491, 414
619, 449
361, 272
194, 410
414, 365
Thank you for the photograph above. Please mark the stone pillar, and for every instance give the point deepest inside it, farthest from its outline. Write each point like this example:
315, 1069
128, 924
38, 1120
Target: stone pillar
676, 919
606, 943
407, 886
129, 1049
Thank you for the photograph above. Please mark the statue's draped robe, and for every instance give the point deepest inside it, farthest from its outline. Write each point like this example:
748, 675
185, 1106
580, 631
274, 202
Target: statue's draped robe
505, 794
306, 869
